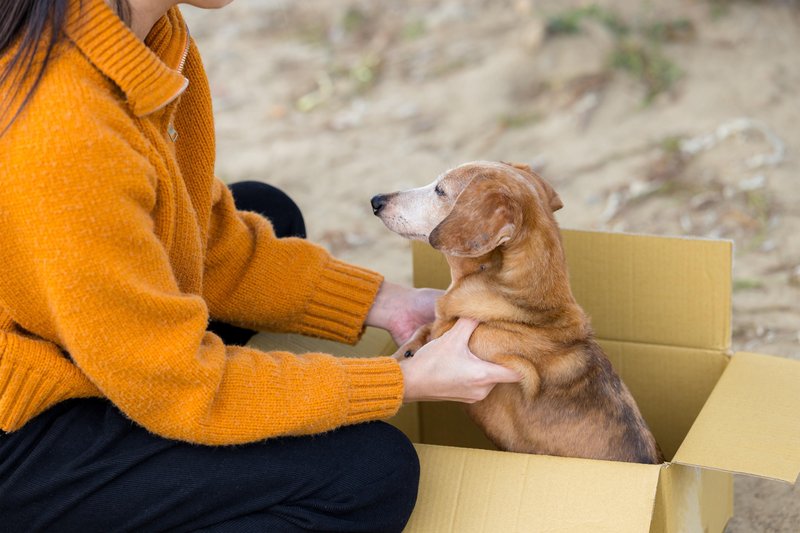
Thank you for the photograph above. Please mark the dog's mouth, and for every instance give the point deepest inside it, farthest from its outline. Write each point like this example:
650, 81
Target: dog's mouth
414, 236
410, 235
399, 225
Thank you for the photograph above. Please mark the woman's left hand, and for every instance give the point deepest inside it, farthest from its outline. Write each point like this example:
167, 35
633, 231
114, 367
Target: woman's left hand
401, 310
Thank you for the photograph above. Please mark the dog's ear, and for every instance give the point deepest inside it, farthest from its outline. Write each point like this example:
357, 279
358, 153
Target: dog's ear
553, 200
483, 218
521, 166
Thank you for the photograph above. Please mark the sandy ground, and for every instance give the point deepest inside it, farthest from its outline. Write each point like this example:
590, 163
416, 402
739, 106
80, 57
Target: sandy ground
674, 118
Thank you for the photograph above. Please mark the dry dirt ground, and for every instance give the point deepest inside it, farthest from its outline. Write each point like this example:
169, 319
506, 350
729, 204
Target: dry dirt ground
672, 118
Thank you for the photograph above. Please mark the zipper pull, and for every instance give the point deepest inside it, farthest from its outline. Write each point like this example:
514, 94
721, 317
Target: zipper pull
172, 132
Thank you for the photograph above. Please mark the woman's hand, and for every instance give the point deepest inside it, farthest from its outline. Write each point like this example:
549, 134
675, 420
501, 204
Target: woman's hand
446, 369
402, 310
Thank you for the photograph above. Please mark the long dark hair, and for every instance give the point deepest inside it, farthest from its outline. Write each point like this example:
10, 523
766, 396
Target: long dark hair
37, 25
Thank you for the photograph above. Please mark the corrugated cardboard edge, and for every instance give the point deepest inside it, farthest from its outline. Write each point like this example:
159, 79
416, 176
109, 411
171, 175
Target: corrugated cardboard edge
751, 422
692, 499
464, 490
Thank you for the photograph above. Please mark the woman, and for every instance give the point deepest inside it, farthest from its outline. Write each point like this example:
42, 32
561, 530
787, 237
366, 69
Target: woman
118, 246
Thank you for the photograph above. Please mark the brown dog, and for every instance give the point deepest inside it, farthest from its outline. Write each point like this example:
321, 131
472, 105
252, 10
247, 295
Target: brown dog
494, 222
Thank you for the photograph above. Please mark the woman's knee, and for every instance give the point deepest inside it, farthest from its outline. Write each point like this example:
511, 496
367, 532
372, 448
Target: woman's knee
272, 203
403, 457
397, 466
360, 478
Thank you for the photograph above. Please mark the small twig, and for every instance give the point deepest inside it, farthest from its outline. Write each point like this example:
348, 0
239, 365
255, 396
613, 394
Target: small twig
703, 143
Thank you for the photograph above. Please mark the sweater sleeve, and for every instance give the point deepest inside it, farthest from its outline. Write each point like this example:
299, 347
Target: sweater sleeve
81, 265
255, 280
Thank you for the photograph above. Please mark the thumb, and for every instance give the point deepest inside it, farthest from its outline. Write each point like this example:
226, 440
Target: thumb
501, 374
464, 327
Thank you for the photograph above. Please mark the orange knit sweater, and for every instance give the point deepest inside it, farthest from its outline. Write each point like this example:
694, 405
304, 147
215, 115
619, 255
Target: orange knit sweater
117, 244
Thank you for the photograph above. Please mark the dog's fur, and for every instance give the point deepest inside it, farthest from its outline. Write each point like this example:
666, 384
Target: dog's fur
494, 222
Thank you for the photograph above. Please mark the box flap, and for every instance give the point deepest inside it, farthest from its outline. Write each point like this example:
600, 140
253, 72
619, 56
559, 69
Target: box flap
656, 290
463, 490
636, 288
751, 422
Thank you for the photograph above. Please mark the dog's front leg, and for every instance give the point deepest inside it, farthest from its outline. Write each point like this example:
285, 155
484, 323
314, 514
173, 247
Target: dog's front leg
419, 339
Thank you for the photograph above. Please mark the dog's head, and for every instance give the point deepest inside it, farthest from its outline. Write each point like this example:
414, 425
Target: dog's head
470, 210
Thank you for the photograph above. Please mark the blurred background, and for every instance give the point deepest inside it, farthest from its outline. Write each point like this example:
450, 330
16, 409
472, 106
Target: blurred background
669, 118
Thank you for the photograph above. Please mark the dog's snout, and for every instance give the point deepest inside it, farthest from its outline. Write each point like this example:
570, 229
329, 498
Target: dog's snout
378, 203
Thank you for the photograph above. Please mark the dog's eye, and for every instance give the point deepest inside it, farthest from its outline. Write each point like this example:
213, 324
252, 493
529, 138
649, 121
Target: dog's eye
439, 191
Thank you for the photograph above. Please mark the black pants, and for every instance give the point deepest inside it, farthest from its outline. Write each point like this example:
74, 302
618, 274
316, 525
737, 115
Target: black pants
82, 466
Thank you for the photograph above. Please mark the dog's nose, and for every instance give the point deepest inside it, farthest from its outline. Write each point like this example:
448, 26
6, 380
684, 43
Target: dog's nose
378, 202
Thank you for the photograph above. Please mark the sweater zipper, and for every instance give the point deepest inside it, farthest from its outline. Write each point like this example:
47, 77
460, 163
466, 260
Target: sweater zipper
171, 131
185, 50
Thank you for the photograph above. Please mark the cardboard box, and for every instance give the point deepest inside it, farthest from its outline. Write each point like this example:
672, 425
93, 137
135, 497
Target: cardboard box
661, 309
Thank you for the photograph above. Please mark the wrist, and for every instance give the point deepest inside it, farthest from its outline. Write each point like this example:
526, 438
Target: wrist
409, 392
385, 305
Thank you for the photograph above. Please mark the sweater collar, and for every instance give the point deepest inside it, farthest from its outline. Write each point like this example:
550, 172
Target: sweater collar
148, 73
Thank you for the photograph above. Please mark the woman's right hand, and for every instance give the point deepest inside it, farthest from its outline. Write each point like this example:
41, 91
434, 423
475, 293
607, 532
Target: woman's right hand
446, 369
